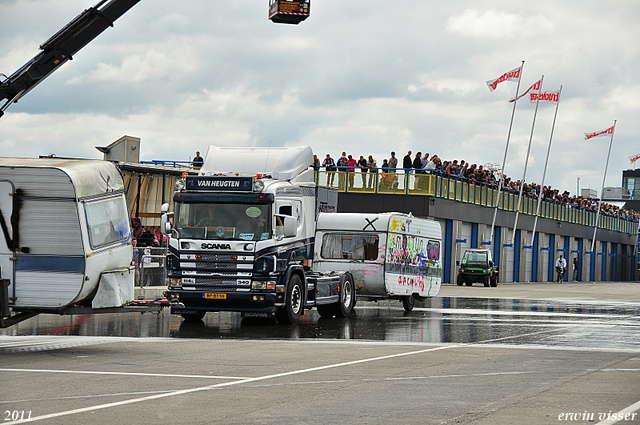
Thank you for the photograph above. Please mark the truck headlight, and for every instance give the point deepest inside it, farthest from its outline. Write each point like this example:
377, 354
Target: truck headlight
258, 185
268, 285
175, 283
179, 184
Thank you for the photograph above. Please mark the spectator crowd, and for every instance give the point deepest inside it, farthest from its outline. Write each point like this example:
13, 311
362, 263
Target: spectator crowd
149, 236
462, 170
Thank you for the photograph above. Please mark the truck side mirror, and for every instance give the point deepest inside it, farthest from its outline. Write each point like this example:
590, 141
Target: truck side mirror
290, 227
490, 263
457, 263
165, 225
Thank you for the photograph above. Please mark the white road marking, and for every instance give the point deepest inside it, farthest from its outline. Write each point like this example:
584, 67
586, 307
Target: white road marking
469, 311
261, 378
71, 397
89, 372
228, 384
622, 414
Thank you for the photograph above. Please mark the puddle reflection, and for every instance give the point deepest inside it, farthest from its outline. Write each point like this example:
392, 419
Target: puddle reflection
438, 320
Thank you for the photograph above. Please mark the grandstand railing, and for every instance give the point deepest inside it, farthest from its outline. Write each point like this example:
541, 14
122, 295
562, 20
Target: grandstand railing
410, 182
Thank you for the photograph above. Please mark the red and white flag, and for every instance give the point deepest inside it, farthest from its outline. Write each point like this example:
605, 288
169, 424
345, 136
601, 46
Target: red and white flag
634, 158
546, 97
607, 132
513, 75
535, 86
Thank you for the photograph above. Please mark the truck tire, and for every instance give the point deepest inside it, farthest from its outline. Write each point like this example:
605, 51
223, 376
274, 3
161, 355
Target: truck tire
294, 306
193, 317
485, 281
408, 303
494, 281
347, 296
459, 280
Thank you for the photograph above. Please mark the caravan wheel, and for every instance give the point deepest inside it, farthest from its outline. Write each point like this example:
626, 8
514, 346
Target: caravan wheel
408, 303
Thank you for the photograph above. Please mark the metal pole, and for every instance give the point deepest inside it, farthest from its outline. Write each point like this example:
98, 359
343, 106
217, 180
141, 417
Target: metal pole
504, 160
595, 229
544, 173
526, 163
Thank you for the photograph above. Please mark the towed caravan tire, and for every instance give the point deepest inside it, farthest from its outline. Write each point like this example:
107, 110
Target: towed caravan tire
408, 302
193, 317
294, 303
347, 296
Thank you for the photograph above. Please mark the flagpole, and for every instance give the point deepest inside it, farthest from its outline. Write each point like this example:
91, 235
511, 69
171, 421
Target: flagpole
504, 160
526, 163
595, 229
544, 173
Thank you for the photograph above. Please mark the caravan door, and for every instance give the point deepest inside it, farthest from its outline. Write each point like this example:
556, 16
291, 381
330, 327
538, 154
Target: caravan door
6, 236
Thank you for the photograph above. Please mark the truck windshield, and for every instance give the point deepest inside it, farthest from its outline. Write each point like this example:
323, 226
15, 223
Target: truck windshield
474, 258
249, 222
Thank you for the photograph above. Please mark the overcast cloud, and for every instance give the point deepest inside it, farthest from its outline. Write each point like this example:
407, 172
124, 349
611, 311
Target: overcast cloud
365, 76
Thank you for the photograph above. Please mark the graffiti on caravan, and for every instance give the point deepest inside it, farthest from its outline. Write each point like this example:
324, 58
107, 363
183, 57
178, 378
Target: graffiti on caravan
414, 260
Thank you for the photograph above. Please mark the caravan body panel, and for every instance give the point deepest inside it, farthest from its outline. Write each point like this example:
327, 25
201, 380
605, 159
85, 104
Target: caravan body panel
389, 254
56, 256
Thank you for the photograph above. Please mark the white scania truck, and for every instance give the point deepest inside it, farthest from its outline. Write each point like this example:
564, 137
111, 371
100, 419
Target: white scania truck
245, 237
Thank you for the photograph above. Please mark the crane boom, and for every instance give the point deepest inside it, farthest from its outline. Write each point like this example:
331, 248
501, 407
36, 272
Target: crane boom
61, 47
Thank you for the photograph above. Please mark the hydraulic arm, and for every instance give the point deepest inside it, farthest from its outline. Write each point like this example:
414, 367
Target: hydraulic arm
61, 47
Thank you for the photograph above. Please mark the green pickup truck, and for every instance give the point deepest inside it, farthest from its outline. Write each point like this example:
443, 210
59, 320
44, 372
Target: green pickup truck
477, 266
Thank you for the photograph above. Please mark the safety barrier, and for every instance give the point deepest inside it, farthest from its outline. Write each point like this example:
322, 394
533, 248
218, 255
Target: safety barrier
149, 265
412, 182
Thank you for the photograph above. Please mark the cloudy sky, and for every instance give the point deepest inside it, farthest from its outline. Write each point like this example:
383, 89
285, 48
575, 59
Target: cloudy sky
365, 76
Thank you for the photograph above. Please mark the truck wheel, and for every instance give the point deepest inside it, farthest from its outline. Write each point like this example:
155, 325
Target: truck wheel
292, 310
408, 303
347, 296
193, 317
485, 281
460, 280
494, 281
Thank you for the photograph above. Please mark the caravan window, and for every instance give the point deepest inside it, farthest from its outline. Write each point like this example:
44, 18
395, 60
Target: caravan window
354, 246
107, 221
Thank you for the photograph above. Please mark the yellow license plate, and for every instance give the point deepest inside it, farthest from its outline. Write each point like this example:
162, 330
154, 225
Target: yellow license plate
210, 296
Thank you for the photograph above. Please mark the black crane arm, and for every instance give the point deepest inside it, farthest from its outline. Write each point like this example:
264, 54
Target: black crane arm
61, 47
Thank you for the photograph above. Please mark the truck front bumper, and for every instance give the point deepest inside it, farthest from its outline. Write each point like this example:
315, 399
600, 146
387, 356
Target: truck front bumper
255, 302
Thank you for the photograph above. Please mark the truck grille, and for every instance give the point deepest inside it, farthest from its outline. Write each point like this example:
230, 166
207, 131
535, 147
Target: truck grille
216, 266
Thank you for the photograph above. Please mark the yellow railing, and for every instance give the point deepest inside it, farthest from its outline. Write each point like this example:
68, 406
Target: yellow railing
403, 183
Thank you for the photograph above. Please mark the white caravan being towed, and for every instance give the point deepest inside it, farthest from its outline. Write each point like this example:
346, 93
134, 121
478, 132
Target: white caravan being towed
390, 255
66, 236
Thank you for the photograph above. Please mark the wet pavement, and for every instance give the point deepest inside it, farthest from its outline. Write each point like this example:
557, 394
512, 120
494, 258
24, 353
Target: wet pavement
521, 353
568, 318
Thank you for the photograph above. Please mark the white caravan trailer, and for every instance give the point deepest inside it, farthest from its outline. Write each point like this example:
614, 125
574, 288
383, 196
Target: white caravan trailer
390, 255
66, 237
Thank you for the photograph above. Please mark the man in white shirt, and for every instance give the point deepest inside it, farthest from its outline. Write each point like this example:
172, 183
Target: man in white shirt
561, 266
371, 165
